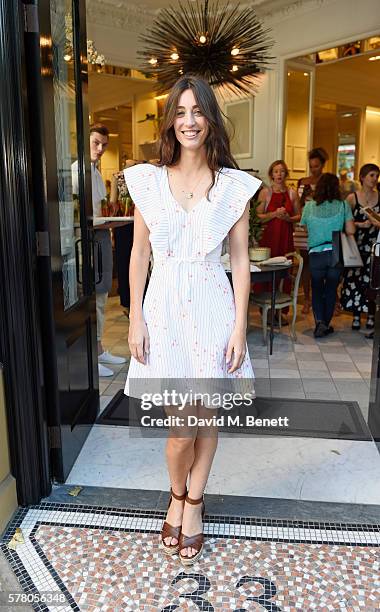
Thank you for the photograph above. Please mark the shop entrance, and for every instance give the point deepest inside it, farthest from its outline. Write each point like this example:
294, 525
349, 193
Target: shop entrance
312, 375
67, 286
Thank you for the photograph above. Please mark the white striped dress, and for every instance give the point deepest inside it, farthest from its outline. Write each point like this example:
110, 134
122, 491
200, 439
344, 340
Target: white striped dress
189, 305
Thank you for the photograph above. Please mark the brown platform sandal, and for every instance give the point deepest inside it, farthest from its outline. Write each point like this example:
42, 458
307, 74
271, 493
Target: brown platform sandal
168, 531
195, 541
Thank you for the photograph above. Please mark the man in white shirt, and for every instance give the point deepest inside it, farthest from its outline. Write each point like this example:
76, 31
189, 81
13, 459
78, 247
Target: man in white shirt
99, 136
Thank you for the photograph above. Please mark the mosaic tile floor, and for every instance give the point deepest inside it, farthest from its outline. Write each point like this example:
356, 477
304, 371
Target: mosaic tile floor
105, 559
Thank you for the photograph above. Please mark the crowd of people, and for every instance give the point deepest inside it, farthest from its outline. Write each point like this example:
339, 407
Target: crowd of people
325, 205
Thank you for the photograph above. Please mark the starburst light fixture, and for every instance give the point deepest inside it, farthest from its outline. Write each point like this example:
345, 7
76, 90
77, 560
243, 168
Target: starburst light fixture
227, 45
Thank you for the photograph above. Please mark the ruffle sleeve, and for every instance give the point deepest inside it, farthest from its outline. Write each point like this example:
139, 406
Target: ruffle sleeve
143, 186
143, 182
233, 189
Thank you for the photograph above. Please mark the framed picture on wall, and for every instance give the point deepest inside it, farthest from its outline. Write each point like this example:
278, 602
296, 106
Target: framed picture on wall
299, 158
240, 114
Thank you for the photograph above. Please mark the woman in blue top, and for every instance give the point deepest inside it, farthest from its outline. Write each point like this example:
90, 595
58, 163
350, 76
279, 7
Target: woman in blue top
322, 216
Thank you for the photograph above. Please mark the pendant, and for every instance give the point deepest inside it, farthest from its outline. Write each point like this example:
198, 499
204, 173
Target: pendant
189, 195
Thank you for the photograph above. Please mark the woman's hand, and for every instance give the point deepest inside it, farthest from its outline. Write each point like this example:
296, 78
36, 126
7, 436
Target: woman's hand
374, 222
280, 212
138, 339
364, 224
237, 348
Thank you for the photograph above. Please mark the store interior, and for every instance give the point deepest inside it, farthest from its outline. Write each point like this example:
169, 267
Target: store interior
334, 104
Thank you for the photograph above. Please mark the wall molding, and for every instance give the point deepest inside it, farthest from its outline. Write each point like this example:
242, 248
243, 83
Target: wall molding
114, 14
279, 10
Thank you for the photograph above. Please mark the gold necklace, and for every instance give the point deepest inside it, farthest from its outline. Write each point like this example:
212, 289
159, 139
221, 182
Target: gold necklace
189, 194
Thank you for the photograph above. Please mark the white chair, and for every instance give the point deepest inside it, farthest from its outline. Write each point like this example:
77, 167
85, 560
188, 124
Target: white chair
283, 300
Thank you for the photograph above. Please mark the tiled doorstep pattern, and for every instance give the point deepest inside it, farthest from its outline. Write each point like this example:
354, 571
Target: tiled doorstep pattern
336, 367
109, 559
268, 466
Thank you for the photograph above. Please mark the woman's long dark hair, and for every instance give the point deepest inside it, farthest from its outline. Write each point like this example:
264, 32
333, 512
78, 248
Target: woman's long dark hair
327, 189
217, 143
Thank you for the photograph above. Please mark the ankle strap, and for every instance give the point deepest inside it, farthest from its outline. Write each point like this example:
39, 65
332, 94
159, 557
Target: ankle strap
194, 502
179, 497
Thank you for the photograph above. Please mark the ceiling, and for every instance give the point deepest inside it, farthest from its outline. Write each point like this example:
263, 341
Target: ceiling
351, 82
155, 5
108, 90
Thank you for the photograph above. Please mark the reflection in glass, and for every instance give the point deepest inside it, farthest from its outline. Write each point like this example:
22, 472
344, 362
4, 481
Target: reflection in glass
66, 145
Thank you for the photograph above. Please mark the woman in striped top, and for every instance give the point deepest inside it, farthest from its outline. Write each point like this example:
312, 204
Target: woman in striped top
192, 326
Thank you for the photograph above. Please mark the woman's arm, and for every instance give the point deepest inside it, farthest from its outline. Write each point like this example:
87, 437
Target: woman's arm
267, 216
138, 337
349, 224
350, 227
296, 216
351, 200
241, 280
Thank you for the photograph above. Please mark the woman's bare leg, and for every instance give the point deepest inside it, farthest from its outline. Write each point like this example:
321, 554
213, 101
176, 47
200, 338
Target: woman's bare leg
179, 457
204, 451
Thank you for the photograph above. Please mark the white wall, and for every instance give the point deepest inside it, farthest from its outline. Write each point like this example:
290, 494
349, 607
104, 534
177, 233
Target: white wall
371, 145
298, 28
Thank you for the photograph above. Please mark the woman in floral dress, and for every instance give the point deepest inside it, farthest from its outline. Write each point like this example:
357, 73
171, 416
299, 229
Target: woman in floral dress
357, 296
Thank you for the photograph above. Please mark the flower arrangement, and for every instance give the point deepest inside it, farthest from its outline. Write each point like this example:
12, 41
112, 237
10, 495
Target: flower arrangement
124, 198
93, 55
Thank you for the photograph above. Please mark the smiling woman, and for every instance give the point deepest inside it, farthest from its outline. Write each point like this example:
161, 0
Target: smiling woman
191, 130
191, 325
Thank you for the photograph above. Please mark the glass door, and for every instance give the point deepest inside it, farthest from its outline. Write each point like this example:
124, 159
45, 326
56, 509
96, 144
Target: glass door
71, 354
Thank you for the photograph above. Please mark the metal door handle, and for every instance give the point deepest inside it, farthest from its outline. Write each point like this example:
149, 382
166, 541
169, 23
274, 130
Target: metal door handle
98, 246
100, 263
77, 242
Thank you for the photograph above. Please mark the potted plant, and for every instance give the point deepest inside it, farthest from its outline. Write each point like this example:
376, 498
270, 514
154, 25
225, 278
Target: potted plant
256, 253
125, 204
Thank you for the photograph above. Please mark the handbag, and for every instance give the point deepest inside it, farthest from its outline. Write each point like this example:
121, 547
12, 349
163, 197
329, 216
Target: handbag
350, 252
345, 250
336, 252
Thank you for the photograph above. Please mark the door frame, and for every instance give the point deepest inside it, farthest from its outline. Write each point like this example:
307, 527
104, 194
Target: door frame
65, 443
20, 333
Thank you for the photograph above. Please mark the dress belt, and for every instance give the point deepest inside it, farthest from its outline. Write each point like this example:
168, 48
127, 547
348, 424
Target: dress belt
185, 260
178, 280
